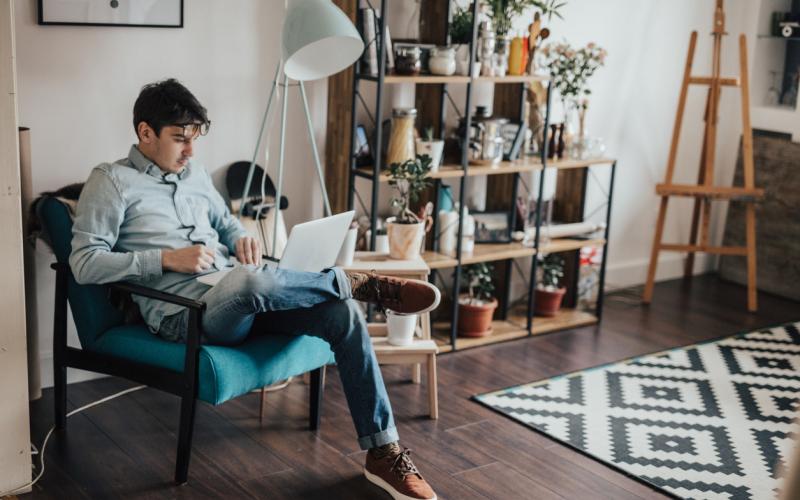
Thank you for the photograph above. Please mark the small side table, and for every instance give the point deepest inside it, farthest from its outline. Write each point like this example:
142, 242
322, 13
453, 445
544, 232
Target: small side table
423, 349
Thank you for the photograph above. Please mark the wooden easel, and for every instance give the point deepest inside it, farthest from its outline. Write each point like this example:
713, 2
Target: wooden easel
704, 192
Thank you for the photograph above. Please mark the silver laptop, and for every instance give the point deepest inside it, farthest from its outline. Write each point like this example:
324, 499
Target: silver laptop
312, 246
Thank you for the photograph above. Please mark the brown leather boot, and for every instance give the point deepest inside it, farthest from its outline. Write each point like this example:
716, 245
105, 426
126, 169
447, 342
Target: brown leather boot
402, 296
396, 474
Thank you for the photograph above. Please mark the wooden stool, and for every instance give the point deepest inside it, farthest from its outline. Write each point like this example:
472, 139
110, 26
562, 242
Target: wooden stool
423, 349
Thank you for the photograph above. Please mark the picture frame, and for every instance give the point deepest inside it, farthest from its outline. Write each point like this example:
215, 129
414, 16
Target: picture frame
492, 227
513, 135
120, 13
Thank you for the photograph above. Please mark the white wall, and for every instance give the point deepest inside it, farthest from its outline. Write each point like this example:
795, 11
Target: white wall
633, 105
77, 86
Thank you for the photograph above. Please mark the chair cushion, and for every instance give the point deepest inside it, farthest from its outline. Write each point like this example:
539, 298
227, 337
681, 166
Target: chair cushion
224, 372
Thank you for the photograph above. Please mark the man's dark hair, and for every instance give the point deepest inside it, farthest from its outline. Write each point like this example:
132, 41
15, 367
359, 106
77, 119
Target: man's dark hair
166, 103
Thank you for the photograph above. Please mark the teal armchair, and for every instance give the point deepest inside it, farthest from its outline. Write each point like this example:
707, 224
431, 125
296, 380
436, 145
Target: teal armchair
191, 371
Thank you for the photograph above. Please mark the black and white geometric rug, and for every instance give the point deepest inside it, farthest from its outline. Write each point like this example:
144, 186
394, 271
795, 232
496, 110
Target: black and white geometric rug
713, 420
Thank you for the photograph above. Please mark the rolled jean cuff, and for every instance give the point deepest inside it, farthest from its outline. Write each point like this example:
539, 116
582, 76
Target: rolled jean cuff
342, 283
379, 439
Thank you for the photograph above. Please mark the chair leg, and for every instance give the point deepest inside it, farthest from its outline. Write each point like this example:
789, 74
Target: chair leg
60, 395
188, 406
317, 387
433, 394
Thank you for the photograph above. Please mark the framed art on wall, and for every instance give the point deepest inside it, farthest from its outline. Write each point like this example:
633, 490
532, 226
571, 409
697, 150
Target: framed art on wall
151, 14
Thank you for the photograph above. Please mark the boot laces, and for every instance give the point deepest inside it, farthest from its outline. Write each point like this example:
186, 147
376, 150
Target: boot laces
385, 289
403, 466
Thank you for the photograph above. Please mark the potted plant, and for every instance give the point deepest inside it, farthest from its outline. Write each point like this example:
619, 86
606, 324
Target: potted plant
427, 145
571, 69
476, 307
406, 230
549, 293
460, 36
503, 12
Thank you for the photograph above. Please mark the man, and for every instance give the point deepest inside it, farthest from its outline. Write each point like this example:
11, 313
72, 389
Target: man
156, 219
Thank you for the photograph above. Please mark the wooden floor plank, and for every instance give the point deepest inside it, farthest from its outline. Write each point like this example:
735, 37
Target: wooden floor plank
125, 448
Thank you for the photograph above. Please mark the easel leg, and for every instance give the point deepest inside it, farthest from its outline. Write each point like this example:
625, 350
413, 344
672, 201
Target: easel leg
688, 267
651, 272
752, 292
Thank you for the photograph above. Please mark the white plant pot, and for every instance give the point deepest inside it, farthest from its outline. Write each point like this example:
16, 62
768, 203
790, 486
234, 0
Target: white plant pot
434, 149
400, 328
405, 240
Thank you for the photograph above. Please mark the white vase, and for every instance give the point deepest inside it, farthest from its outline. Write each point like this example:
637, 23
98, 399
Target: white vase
400, 328
434, 149
405, 240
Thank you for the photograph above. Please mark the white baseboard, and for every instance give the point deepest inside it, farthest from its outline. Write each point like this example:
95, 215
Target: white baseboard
670, 266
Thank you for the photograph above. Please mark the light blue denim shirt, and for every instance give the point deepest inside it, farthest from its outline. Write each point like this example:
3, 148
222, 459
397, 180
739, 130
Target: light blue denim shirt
130, 210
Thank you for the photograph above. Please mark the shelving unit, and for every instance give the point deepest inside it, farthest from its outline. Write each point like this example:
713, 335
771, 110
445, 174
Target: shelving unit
512, 322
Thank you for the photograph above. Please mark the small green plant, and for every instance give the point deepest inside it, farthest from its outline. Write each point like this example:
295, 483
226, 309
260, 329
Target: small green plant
409, 179
427, 134
552, 266
477, 281
461, 25
503, 12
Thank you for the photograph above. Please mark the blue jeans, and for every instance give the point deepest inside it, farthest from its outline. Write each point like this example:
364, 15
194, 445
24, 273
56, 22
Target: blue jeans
264, 301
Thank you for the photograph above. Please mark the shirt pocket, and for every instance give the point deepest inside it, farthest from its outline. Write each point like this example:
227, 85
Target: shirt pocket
199, 211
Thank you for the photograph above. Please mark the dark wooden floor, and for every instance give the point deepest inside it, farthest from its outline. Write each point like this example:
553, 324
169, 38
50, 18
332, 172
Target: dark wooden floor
126, 447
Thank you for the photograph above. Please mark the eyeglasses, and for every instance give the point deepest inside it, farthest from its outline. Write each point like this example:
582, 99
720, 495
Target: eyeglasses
195, 129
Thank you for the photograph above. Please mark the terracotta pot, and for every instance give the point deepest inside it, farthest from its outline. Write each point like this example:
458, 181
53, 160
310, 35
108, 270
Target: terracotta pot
405, 240
548, 302
475, 320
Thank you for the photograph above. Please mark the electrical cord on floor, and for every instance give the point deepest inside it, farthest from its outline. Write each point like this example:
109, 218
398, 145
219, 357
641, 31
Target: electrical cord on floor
47, 437
275, 387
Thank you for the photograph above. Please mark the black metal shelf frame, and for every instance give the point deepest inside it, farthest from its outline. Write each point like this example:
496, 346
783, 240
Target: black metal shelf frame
354, 172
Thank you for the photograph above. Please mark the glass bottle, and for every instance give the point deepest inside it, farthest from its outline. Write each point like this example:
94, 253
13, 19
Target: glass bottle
551, 145
401, 139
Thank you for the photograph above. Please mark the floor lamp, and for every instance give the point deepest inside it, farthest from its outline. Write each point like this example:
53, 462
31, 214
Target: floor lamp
317, 41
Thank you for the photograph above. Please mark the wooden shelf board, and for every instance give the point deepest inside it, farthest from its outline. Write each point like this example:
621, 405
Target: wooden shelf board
450, 171
489, 252
423, 79
504, 167
501, 331
513, 78
438, 260
569, 164
514, 328
567, 244
566, 318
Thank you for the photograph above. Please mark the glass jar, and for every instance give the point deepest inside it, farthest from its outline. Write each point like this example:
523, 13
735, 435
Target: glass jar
407, 60
401, 139
442, 61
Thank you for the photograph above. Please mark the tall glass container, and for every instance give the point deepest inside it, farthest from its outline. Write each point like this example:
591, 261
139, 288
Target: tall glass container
401, 139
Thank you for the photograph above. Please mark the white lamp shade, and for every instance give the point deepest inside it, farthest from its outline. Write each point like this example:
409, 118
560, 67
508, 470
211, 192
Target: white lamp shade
318, 40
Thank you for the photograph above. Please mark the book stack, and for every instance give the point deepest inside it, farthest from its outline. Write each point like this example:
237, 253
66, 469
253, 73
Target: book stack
370, 19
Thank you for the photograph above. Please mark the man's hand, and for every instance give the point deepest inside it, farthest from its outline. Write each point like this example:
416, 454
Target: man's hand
248, 250
189, 260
